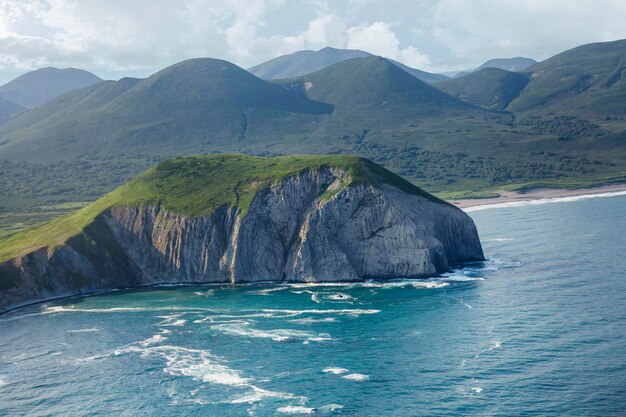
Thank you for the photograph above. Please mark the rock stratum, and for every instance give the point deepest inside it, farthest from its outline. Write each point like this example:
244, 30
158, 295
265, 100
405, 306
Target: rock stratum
235, 218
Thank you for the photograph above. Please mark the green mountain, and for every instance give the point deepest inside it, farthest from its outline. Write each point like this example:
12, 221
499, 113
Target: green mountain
174, 110
37, 87
516, 64
491, 88
588, 81
378, 87
83, 144
305, 62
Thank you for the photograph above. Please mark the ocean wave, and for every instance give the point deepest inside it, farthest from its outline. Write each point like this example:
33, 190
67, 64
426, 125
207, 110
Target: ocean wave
267, 291
172, 320
94, 329
312, 320
356, 377
295, 409
545, 201
259, 394
278, 335
335, 370
349, 312
207, 293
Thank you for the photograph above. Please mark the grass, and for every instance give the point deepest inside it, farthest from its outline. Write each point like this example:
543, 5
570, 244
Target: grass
197, 186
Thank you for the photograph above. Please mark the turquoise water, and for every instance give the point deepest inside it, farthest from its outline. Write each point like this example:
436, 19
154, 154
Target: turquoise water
539, 329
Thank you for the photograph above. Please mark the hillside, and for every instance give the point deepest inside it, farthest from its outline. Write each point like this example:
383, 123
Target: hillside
491, 88
85, 143
588, 81
306, 62
198, 186
34, 88
516, 64
8, 108
182, 105
375, 84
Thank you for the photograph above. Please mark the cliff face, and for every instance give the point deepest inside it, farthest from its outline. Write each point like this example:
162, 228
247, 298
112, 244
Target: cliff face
308, 227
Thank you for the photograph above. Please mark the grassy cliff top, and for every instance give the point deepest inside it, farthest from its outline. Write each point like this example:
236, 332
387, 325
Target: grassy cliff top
197, 186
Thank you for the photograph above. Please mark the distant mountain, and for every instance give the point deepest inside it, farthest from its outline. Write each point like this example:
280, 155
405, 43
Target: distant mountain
589, 80
492, 88
176, 108
516, 64
86, 142
359, 86
34, 88
8, 109
305, 62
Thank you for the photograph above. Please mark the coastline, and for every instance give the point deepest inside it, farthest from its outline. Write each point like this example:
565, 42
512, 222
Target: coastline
537, 195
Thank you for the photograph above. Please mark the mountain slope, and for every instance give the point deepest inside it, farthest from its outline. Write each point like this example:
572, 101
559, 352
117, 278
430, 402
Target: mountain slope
306, 62
589, 80
376, 85
516, 64
175, 108
8, 108
236, 218
303, 62
492, 88
37, 87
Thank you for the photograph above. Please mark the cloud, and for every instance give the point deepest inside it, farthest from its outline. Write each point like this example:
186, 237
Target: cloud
475, 31
120, 37
378, 39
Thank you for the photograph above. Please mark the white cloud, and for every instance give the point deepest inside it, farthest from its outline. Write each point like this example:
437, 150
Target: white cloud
120, 36
379, 39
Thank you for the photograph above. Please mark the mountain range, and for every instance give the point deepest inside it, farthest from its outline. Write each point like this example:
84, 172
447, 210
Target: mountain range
306, 62
491, 128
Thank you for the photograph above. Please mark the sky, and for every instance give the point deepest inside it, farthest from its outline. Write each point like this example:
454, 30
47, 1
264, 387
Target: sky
116, 38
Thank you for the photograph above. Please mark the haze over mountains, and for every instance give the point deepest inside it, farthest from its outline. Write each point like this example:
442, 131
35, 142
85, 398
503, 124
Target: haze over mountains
509, 64
34, 88
491, 128
305, 62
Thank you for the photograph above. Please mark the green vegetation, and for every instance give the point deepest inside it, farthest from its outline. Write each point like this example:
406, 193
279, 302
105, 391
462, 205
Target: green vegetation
491, 88
86, 143
197, 186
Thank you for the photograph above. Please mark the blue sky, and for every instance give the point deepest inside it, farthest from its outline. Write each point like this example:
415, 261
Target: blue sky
116, 38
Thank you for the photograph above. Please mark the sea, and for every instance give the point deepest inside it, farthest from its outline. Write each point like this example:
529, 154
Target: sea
539, 329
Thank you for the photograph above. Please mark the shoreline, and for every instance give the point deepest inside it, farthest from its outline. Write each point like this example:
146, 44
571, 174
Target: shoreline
511, 198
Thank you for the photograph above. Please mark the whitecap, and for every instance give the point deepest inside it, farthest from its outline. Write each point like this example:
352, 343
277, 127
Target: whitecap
207, 293
429, 284
331, 407
267, 291
350, 312
311, 320
295, 409
356, 377
495, 344
278, 335
340, 297
258, 394
335, 370
94, 329
498, 239
477, 390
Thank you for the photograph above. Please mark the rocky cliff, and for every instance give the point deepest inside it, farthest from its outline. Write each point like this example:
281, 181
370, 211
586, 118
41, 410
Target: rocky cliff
318, 224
